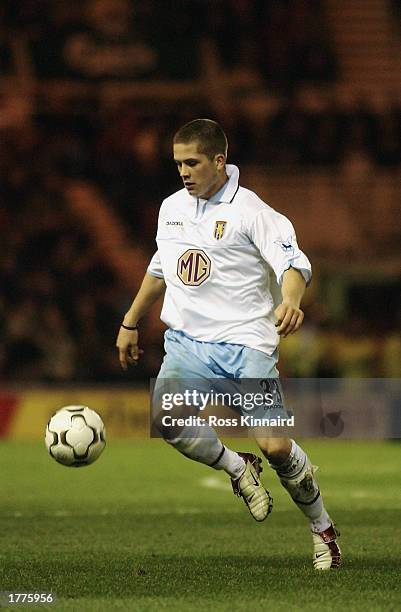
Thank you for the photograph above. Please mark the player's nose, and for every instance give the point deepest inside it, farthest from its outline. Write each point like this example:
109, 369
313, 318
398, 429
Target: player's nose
184, 171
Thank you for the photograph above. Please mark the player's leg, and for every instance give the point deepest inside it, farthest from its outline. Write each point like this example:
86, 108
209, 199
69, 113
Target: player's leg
297, 475
182, 370
292, 465
183, 365
201, 443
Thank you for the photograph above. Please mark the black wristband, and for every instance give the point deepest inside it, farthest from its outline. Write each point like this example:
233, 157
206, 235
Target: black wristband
129, 328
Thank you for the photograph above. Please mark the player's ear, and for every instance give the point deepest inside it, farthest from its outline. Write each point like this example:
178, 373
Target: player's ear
220, 160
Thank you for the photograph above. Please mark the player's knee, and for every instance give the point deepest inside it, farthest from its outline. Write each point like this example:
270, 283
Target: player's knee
276, 450
165, 430
171, 425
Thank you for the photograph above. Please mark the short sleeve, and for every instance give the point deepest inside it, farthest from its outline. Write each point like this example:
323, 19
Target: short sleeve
155, 267
274, 235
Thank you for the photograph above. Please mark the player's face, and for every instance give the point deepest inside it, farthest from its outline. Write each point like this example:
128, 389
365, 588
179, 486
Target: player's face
201, 176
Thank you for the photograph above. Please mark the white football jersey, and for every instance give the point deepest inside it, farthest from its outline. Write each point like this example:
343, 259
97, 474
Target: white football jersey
223, 260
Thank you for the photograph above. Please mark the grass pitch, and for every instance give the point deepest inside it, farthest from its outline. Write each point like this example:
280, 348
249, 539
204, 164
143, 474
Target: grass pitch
146, 529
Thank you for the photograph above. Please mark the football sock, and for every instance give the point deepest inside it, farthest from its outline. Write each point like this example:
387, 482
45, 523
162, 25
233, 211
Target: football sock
296, 474
204, 446
230, 462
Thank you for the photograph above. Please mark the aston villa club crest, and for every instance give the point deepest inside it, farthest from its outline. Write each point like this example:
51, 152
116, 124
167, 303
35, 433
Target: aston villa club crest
219, 229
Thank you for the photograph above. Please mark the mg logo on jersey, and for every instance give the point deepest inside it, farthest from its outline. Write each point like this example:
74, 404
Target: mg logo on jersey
219, 229
193, 267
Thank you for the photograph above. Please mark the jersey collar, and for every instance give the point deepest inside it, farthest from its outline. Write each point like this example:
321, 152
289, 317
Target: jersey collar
232, 184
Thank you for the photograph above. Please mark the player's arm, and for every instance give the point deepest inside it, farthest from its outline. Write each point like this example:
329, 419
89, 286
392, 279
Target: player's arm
274, 236
289, 314
127, 340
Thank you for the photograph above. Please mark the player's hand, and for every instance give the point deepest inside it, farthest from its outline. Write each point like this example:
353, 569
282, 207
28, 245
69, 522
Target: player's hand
289, 319
128, 350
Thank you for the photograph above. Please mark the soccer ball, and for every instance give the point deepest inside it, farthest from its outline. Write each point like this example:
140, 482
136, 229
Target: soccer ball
75, 436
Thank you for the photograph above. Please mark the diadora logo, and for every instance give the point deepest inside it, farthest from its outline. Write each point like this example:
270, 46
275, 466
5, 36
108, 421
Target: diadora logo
219, 229
180, 223
193, 267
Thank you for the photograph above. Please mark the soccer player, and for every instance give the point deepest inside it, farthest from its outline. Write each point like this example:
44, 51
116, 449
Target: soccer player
233, 277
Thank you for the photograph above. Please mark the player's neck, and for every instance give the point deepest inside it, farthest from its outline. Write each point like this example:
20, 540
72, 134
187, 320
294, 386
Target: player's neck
221, 182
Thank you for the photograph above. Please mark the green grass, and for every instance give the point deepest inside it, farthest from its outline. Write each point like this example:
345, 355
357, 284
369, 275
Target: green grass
146, 529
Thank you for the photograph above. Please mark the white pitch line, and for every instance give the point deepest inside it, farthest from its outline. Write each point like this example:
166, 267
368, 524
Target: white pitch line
211, 482
67, 514
368, 494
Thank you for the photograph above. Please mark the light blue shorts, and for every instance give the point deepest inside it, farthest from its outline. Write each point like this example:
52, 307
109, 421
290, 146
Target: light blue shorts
188, 358
205, 367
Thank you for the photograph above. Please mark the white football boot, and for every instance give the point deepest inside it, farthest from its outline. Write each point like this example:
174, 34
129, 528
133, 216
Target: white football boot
249, 487
326, 552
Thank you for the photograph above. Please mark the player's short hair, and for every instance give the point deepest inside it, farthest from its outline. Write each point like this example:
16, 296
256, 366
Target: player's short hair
208, 133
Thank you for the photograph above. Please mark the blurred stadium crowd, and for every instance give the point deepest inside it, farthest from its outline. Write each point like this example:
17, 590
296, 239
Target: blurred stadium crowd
76, 114
119, 39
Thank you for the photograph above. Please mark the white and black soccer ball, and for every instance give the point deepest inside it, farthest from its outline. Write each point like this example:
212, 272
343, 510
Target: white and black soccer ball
75, 436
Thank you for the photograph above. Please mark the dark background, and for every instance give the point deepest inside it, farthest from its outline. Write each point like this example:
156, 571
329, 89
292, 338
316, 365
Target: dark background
91, 94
